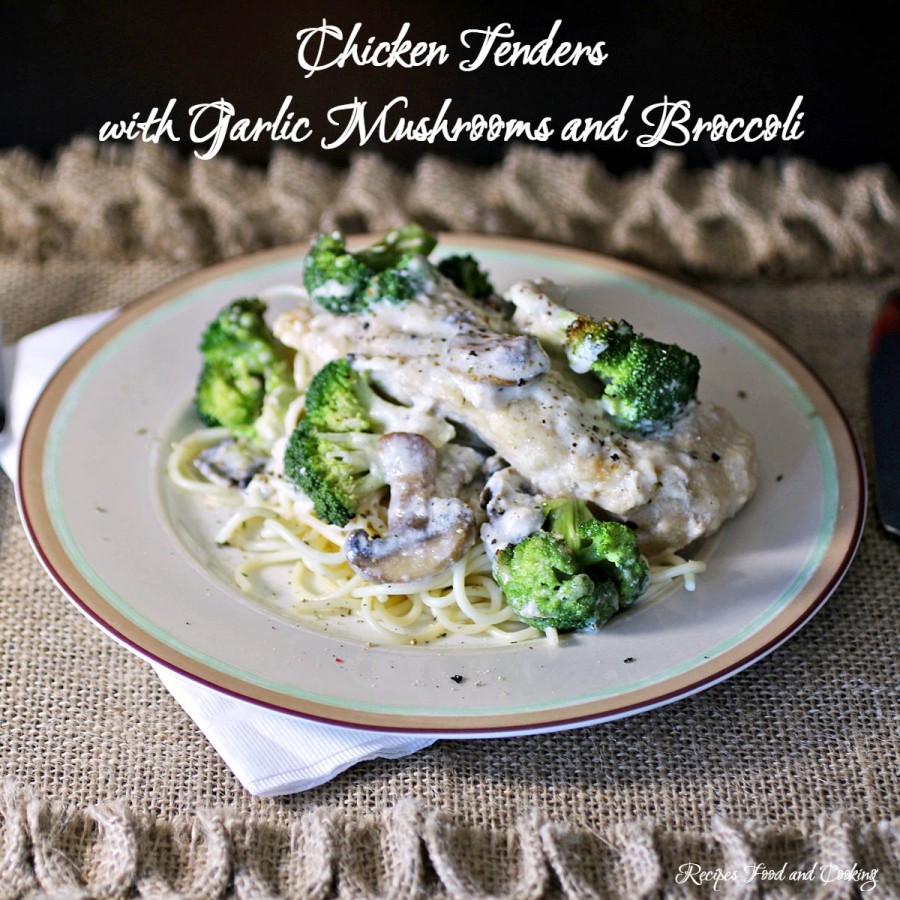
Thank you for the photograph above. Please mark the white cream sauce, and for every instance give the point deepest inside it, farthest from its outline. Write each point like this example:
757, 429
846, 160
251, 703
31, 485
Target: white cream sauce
533, 412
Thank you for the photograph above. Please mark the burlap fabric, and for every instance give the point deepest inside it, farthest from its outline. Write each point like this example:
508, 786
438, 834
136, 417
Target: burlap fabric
111, 790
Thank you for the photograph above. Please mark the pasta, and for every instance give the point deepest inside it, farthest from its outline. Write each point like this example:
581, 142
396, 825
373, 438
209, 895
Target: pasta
273, 524
433, 460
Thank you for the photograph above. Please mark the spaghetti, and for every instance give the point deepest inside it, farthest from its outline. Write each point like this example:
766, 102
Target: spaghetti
273, 524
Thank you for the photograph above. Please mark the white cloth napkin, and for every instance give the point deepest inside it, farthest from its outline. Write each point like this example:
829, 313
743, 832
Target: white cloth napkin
270, 753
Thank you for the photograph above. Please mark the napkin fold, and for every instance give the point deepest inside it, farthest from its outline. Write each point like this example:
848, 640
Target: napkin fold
270, 753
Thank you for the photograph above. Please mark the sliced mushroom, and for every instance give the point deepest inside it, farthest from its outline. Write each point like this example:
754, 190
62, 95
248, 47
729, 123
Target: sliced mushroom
500, 360
492, 370
230, 463
426, 534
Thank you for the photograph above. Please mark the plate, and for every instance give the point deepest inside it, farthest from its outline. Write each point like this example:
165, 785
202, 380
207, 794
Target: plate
96, 507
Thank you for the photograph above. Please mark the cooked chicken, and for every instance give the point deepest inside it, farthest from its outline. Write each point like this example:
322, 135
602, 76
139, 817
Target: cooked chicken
474, 368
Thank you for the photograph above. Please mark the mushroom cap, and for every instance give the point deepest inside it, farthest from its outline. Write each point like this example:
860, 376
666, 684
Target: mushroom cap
426, 534
414, 553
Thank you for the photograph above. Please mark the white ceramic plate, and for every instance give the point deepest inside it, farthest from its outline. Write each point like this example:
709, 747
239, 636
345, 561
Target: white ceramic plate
109, 531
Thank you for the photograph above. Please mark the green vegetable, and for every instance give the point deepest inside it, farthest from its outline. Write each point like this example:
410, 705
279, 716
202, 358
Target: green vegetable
463, 270
575, 572
247, 373
338, 399
647, 384
331, 454
399, 284
346, 282
410, 240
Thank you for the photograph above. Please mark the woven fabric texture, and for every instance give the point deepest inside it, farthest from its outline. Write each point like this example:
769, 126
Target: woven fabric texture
110, 790
142, 202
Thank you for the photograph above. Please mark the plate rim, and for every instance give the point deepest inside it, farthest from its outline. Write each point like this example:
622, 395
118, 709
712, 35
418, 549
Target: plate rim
824, 579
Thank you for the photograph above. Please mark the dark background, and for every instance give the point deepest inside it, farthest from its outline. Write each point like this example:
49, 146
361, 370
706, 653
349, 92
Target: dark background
68, 67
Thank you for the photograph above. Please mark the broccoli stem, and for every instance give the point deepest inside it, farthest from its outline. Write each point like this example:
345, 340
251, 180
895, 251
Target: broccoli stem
410, 240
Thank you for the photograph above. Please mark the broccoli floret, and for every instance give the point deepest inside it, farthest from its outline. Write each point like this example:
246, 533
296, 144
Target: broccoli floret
545, 587
334, 277
331, 454
647, 384
246, 370
338, 399
228, 396
399, 284
575, 572
349, 282
463, 270
390, 251
605, 548
336, 470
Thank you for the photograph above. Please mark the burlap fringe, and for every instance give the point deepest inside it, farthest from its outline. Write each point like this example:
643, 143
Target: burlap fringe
412, 850
787, 218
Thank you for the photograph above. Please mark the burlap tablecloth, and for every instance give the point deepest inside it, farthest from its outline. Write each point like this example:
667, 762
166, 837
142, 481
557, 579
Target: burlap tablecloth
112, 791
